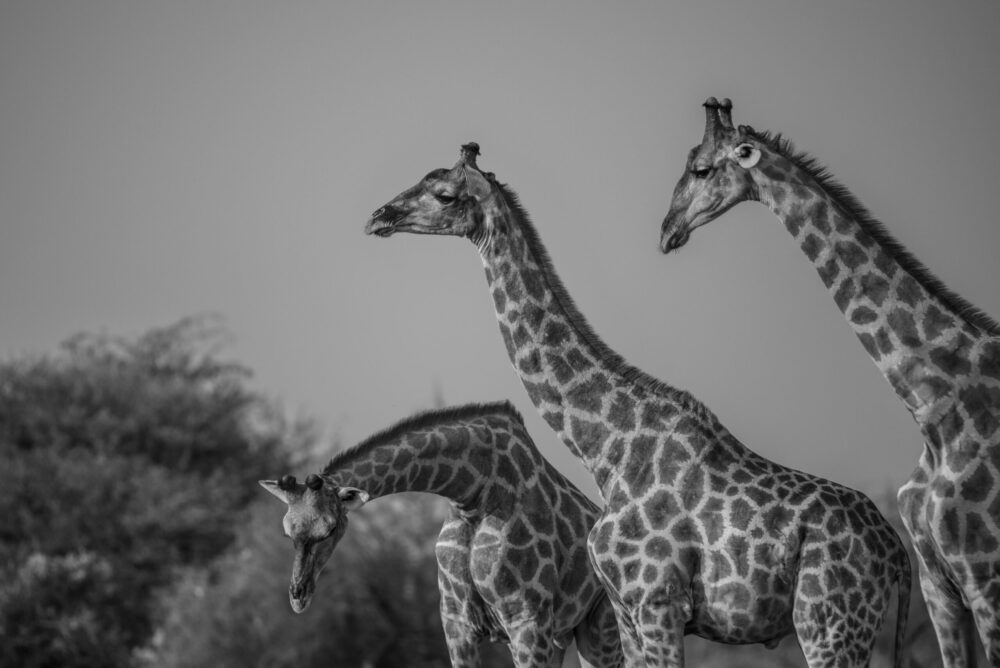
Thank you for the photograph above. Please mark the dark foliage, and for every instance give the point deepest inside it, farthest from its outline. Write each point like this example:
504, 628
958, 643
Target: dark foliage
120, 461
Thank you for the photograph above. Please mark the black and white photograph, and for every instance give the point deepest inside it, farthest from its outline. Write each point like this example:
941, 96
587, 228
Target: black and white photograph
443, 334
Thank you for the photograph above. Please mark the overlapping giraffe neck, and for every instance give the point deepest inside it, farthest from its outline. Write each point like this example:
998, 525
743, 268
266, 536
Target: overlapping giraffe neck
583, 389
918, 333
450, 452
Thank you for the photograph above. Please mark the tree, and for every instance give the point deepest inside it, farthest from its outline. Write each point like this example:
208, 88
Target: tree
121, 460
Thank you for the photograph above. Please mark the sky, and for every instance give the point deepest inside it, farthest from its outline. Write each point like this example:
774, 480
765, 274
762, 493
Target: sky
164, 159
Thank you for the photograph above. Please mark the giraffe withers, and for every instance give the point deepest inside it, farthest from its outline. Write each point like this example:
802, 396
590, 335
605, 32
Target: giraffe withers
699, 534
512, 557
940, 354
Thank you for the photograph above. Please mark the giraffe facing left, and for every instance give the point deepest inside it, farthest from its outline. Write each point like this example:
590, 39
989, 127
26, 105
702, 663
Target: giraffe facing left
699, 534
938, 352
512, 557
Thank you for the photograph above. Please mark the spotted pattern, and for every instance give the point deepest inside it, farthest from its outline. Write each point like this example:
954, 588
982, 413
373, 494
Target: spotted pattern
512, 558
939, 354
699, 534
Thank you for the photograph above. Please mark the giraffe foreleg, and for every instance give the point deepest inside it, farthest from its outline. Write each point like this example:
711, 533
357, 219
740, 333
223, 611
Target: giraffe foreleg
986, 613
631, 647
832, 637
463, 643
660, 620
983, 594
532, 645
953, 622
597, 638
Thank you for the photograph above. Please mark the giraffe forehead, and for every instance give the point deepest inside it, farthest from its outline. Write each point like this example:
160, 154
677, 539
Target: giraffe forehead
306, 519
438, 177
435, 175
707, 156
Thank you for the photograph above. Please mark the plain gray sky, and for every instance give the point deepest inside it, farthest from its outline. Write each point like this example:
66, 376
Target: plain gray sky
163, 159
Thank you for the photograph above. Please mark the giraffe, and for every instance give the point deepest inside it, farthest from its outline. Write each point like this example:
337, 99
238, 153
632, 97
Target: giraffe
699, 534
512, 556
939, 353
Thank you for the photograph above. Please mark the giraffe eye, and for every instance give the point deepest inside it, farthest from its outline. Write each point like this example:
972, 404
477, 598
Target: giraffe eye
444, 198
701, 173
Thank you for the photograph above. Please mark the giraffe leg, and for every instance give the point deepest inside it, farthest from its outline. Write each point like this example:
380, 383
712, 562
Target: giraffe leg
660, 619
629, 637
597, 638
531, 646
953, 622
463, 644
837, 626
986, 614
834, 638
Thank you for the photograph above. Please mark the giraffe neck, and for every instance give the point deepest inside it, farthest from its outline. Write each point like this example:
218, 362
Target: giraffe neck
451, 453
918, 334
584, 390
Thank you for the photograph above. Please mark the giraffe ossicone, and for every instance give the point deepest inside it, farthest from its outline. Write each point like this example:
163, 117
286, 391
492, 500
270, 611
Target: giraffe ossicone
939, 353
512, 556
699, 534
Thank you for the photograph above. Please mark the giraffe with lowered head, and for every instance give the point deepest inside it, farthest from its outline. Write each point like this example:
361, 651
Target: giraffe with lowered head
512, 558
699, 534
940, 354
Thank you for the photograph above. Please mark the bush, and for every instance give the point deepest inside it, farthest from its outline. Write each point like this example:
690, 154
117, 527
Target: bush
117, 461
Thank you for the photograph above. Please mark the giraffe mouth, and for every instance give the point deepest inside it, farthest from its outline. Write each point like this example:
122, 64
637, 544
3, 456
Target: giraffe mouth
674, 240
381, 228
674, 232
300, 597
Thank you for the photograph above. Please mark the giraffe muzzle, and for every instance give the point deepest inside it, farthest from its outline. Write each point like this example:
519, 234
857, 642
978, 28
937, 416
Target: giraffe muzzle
671, 241
299, 596
673, 235
383, 221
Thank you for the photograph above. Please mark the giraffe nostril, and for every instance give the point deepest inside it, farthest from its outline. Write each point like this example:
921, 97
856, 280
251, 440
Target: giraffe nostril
379, 212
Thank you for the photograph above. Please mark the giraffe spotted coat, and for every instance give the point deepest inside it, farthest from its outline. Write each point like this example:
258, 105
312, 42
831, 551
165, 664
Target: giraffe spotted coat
699, 533
512, 560
940, 355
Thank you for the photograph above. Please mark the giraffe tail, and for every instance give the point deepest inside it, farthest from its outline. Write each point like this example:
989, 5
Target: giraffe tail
904, 576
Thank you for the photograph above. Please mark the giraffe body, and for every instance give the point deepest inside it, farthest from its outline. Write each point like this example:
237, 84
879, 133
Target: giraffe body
699, 534
512, 559
939, 354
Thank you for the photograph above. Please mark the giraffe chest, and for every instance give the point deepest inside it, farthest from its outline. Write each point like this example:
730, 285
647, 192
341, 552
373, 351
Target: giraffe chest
951, 509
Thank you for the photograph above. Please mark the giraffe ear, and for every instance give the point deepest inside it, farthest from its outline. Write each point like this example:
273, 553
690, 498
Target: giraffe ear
746, 155
275, 487
352, 497
477, 184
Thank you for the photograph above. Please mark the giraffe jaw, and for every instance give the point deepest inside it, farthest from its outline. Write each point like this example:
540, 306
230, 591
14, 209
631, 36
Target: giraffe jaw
382, 228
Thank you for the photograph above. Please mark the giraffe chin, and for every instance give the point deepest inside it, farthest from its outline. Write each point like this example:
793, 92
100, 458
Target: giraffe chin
380, 228
299, 604
672, 242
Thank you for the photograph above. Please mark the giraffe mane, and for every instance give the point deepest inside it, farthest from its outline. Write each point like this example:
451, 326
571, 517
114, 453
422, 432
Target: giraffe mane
877, 230
419, 421
612, 361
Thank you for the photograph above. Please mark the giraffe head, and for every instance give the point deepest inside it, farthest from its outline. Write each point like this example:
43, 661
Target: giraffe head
316, 521
452, 201
718, 175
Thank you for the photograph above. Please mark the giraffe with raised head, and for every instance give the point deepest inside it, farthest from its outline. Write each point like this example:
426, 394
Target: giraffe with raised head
940, 354
512, 557
699, 534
